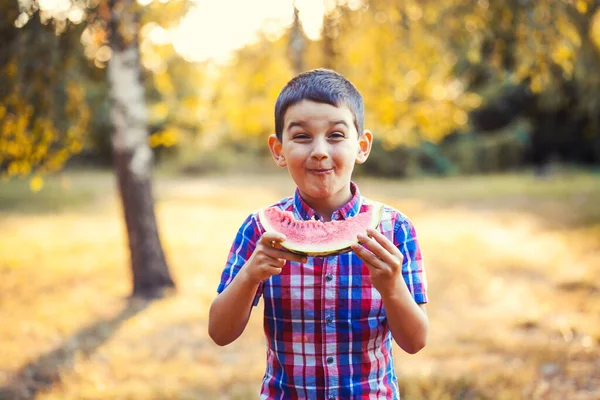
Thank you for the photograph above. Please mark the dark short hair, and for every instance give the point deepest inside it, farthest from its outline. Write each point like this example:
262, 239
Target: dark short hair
321, 86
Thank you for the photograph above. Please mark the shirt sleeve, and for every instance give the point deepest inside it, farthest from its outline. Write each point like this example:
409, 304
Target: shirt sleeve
242, 248
413, 268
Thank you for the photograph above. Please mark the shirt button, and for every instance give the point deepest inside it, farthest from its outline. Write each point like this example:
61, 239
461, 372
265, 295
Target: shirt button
328, 277
329, 319
329, 360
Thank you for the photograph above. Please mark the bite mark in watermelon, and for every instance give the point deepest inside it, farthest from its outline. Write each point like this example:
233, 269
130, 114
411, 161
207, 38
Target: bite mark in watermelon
318, 238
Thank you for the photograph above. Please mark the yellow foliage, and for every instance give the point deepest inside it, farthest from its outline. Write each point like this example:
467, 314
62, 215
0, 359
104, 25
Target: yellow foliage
247, 89
536, 85
581, 6
11, 69
565, 57
36, 183
163, 84
402, 56
168, 137
562, 53
568, 31
159, 111
190, 102
472, 100
31, 142
460, 117
595, 30
474, 55
76, 146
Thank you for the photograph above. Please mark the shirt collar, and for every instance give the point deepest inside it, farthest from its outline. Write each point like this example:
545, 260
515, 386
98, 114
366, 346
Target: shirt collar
350, 209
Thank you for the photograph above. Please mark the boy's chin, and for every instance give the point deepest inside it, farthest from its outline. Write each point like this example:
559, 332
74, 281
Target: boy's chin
322, 191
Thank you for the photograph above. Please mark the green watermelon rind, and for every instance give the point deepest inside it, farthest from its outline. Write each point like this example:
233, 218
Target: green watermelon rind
376, 210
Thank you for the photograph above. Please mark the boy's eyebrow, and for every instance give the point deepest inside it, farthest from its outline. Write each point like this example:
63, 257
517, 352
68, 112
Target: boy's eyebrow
294, 124
340, 122
302, 124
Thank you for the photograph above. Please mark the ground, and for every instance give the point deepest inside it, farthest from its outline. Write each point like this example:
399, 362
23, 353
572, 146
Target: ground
512, 262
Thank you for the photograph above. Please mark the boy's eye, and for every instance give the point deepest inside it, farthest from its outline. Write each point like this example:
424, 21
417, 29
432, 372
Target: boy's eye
337, 135
300, 136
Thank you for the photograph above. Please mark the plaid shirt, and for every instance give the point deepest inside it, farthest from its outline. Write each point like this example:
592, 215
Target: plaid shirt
325, 325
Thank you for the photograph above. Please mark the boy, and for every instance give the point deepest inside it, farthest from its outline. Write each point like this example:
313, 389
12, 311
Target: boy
328, 321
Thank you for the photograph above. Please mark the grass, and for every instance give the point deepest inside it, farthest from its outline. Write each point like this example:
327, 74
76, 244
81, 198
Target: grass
512, 266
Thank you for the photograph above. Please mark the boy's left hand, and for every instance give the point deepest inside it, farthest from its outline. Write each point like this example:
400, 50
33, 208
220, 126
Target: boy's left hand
383, 259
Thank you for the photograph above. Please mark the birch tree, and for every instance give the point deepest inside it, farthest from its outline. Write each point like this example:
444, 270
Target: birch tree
297, 43
132, 154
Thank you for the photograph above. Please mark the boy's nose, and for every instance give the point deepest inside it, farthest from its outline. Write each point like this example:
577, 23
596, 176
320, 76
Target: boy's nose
319, 150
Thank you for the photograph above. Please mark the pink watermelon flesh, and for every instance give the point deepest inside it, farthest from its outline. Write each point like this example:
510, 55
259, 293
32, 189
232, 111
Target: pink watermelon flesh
319, 238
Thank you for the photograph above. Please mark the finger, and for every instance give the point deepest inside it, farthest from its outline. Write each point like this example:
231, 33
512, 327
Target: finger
270, 239
384, 242
273, 269
370, 259
276, 262
285, 255
378, 250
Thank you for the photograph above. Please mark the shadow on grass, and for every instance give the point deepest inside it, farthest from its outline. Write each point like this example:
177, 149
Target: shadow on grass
45, 371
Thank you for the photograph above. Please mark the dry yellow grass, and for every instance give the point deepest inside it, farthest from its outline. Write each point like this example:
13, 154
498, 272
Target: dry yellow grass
513, 266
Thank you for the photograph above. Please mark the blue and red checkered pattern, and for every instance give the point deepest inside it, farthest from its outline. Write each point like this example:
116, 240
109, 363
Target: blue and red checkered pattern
325, 324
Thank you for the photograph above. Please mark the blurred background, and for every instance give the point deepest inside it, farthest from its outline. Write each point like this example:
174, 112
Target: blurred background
133, 144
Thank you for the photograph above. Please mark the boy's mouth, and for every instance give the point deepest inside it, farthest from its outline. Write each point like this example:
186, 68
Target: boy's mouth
321, 171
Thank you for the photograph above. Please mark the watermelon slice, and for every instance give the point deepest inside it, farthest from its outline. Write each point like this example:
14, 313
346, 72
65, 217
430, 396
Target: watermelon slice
317, 238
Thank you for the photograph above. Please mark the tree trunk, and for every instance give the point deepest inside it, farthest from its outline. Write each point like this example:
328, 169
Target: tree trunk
329, 37
132, 154
297, 43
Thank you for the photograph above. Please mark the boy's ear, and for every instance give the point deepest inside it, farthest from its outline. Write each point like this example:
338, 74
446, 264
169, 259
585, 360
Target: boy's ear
365, 141
275, 146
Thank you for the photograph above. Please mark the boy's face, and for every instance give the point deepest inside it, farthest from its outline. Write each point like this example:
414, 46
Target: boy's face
319, 147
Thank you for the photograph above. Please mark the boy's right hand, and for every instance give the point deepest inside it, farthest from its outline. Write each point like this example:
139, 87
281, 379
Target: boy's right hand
269, 258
